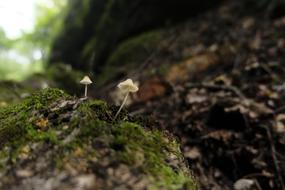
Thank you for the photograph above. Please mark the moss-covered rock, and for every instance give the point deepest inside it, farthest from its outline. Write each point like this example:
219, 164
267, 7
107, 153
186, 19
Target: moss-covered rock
54, 141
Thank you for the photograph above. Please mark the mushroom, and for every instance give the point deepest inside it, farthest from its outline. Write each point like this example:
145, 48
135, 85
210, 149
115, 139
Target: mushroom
86, 81
126, 86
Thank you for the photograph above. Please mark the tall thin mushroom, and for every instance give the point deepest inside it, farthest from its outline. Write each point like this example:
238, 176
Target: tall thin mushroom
86, 81
126, 86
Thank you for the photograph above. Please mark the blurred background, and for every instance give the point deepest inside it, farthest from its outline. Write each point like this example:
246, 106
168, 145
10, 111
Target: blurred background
96, 36
113, 40
196, 61
27, 29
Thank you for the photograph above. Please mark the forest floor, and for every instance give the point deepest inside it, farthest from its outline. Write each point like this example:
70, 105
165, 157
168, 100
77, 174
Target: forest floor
225, 100
217, 83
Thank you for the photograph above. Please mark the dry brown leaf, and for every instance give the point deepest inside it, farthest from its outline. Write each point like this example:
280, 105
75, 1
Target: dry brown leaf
223, 79
223, 135
152, 88
279, 127
42, 123
195, 98
78, 152
192, 153
194, 65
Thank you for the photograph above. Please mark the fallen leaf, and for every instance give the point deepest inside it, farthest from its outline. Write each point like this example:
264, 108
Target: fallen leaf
42, 123
243, 184
195, 98
223, 135
279, 127
152, 88
192, 153
194, 65
24, 173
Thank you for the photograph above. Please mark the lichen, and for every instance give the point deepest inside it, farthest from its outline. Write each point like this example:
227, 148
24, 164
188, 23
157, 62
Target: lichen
75, 129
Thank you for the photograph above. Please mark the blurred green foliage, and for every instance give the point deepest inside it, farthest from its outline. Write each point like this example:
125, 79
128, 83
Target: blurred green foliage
48, 24
28, 53
5, 43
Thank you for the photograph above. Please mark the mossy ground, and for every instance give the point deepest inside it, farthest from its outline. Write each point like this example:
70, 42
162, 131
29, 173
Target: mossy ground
78, 136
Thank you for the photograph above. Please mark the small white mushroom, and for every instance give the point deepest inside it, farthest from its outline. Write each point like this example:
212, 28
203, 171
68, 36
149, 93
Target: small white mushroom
126, 86
86, 81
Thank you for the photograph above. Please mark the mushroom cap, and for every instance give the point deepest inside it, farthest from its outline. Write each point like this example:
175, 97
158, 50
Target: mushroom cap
128, 86
86, 80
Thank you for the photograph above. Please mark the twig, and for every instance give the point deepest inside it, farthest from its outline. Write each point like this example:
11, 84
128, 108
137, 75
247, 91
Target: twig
245, 101
275, 161
143, 65
152, 56
257, 185
270, 72
137, 112
148, 60
253, 175
280, 109
71, 136
233, 89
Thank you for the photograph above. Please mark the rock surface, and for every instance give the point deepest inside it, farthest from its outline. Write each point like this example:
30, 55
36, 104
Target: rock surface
54, 141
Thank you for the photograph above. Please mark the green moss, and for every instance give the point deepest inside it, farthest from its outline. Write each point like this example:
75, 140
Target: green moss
129, 54
106, 18
139, 145
63, 76
36, 135
16, 119
146, 152
135, 49
89, 50
81, 12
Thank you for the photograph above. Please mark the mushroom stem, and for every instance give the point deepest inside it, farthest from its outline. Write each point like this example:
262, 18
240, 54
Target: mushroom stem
124, 102
85, 92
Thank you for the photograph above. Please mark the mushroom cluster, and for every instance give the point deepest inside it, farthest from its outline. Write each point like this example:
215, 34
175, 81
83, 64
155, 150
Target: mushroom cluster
125, 87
